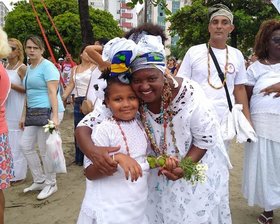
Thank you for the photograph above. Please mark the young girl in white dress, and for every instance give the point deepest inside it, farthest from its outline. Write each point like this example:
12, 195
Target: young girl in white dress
122, 197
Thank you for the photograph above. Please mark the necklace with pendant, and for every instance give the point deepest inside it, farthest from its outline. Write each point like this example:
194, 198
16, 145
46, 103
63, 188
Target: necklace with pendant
225, 72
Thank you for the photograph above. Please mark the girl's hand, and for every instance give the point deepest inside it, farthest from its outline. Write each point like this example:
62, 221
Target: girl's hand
130, 166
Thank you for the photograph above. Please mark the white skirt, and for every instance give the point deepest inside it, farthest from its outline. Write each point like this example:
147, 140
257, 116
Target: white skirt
261, 174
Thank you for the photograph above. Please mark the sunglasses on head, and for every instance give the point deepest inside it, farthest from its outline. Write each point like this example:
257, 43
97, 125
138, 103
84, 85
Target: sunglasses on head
13, 48
276, 40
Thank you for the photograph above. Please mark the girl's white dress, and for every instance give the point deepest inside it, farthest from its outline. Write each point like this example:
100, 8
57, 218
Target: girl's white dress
113, 199
261, 173
180, 202
14, 106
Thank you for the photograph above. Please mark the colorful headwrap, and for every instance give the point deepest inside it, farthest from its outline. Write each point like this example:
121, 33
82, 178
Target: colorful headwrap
151, 54
220, 10
120, 52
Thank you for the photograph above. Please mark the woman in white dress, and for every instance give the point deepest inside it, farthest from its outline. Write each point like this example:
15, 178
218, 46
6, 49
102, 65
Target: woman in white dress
179, 122
14, 105
261, 178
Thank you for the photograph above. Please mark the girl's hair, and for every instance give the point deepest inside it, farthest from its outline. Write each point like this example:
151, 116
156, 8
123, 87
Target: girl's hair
263, 37
20, 48
110, 80
4, 45
36, 40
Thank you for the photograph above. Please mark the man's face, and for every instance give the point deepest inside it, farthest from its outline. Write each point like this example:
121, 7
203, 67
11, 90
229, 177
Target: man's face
219, 28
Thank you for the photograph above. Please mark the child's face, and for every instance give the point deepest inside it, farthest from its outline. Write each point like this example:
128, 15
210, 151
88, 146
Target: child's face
122, 101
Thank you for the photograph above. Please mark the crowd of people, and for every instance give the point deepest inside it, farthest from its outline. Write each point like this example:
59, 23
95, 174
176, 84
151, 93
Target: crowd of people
146, 104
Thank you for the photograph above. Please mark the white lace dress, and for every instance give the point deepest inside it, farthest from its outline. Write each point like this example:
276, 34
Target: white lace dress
113, 199
14, 106
180, 202
261, 173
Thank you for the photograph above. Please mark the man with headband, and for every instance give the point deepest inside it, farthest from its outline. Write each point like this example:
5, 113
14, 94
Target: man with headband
198, 65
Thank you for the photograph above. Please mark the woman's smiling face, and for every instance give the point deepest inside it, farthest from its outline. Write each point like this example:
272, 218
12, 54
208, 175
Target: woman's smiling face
148, 84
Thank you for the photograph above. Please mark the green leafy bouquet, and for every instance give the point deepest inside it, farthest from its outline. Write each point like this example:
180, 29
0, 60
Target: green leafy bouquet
193, 172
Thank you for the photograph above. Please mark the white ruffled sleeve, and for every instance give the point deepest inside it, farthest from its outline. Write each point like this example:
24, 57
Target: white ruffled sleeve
204, 127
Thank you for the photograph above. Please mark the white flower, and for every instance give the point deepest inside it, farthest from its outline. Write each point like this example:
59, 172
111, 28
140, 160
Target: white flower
201, 167
49, 127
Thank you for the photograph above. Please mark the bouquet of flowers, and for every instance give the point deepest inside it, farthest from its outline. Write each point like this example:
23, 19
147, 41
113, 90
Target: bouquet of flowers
49, 127
193, 172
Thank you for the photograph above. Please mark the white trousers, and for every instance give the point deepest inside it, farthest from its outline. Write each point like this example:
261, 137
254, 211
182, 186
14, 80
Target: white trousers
30, 136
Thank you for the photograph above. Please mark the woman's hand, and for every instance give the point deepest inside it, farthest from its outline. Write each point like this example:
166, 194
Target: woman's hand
55, 121
171, 163
97, 154
130, 166
21, 123
174, 174
103, 66
272, 89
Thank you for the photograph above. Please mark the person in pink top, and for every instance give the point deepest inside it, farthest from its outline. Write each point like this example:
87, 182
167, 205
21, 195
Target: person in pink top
6, 167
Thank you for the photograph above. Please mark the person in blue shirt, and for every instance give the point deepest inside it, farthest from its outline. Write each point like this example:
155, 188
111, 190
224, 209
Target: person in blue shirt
41, 83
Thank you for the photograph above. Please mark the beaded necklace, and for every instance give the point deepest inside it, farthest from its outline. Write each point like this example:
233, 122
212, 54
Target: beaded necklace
166, 117
226, 69
123, 134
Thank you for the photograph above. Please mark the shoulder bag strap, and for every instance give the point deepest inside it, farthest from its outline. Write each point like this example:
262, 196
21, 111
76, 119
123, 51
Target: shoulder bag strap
221, 75
75, 74
25, 85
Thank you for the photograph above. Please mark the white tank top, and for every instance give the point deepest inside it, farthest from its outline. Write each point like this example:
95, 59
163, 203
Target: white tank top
81, 81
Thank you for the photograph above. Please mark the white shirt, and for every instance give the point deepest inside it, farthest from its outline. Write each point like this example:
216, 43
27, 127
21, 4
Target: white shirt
195, 67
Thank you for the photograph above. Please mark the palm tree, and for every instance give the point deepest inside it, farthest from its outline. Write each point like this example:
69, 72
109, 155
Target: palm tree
86, 27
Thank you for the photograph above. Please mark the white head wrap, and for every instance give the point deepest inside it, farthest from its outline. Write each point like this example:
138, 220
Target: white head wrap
116, 45
151, 54
220, 10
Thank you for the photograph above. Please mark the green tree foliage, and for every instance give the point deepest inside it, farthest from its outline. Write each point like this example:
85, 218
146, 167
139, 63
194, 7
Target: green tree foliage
21, 22
191, 22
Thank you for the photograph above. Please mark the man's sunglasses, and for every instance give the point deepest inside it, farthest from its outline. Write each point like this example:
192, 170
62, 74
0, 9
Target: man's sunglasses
276, 40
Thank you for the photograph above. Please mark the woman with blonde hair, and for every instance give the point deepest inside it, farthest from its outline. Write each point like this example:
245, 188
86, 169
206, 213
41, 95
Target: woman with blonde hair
6, 171
16, 71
